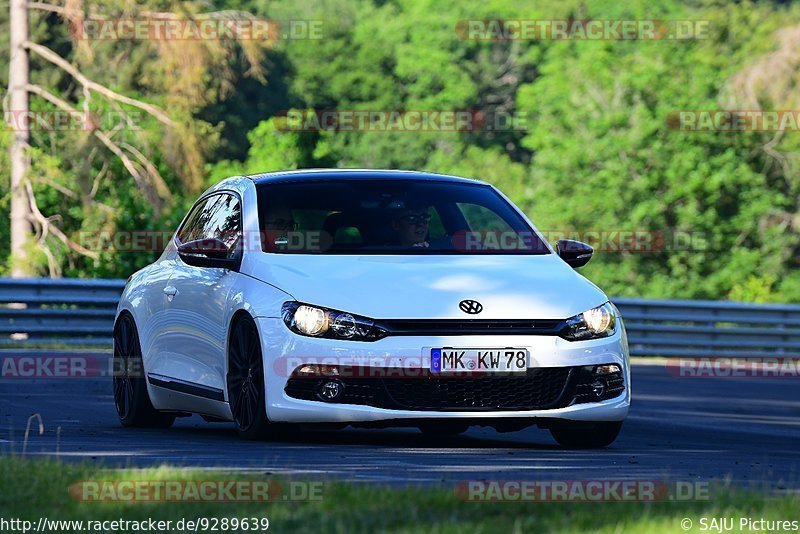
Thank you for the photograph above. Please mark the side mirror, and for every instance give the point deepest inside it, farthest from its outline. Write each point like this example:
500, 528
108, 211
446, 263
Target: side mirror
575, 253
207, 253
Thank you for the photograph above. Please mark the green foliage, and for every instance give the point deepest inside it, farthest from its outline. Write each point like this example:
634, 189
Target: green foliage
32, 489
595, 152
271, 149
754, 289
599, 119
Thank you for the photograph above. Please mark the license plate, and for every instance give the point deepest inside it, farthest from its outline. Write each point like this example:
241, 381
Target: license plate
450, 360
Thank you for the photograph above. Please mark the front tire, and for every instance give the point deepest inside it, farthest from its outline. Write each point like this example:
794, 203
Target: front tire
245, 380
130, 387
575, 435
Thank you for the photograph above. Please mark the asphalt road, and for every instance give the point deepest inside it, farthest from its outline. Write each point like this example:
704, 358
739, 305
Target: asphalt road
690, 429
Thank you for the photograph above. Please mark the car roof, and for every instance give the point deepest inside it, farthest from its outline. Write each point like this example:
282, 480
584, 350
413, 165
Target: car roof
354, 174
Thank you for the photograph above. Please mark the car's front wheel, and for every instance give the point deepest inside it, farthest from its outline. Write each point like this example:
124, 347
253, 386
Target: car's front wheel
130, 389
575, 435
245, 379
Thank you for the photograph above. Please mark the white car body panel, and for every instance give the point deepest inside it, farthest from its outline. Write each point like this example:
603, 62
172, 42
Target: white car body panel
186, 337
401, 287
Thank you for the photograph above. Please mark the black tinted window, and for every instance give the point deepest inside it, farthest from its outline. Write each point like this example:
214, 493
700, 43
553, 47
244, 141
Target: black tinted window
391, 217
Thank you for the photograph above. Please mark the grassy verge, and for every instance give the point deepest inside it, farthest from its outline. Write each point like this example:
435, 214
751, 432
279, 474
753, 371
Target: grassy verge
30, 489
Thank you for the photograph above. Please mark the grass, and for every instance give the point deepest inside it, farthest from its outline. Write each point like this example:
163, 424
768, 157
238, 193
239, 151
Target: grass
33, 488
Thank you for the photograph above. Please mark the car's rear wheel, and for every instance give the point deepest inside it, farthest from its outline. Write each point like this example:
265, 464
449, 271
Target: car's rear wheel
575, 435
130, 389
246, 393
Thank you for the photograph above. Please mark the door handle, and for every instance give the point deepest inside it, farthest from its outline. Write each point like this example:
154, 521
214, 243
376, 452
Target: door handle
170, 291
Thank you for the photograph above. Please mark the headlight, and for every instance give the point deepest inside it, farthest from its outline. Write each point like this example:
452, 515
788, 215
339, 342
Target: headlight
595, 323
310, 321
314, 321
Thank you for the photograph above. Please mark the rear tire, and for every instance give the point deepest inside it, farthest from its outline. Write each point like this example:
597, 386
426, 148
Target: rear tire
245, 380
130, 387
574, 435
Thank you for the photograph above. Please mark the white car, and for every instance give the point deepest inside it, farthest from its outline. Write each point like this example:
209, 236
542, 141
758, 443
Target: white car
369, 298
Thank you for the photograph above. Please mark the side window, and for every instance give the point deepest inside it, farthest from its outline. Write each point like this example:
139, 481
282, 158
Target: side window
436, 226
218, 216
482, 219
192, 227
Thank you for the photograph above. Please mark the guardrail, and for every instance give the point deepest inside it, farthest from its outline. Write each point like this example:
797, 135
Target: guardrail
57, 314
72, 314
710, 328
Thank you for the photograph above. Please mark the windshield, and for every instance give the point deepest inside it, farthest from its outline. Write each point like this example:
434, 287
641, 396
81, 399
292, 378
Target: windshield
390, 217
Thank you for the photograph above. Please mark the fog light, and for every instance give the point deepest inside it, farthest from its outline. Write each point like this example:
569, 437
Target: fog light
598, 388
317, 370
330, 390
307, 370
607, 369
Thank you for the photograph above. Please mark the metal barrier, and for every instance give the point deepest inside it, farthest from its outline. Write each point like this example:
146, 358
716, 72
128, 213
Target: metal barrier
710, 328
57, 314
72, 314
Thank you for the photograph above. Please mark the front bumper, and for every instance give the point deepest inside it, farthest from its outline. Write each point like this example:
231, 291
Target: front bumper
285, 351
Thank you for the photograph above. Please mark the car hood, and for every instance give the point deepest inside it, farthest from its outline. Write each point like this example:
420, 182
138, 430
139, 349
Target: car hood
419, 286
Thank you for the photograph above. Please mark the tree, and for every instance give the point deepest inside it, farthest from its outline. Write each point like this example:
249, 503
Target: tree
18, 100
180, 71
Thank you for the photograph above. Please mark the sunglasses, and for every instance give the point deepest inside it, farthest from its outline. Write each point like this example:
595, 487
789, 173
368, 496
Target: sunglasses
414, 219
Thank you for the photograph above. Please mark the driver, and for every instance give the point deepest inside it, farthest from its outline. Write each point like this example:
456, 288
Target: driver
411, 226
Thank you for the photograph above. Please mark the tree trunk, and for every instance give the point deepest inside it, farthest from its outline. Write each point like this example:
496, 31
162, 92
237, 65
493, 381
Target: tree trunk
21, 229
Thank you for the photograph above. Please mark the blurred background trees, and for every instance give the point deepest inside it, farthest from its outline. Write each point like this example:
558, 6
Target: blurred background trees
596, 153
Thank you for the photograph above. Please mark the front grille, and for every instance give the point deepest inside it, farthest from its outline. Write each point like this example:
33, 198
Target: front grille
538, 389
463, 327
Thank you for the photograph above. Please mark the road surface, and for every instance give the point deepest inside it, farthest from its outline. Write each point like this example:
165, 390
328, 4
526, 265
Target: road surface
689, 429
